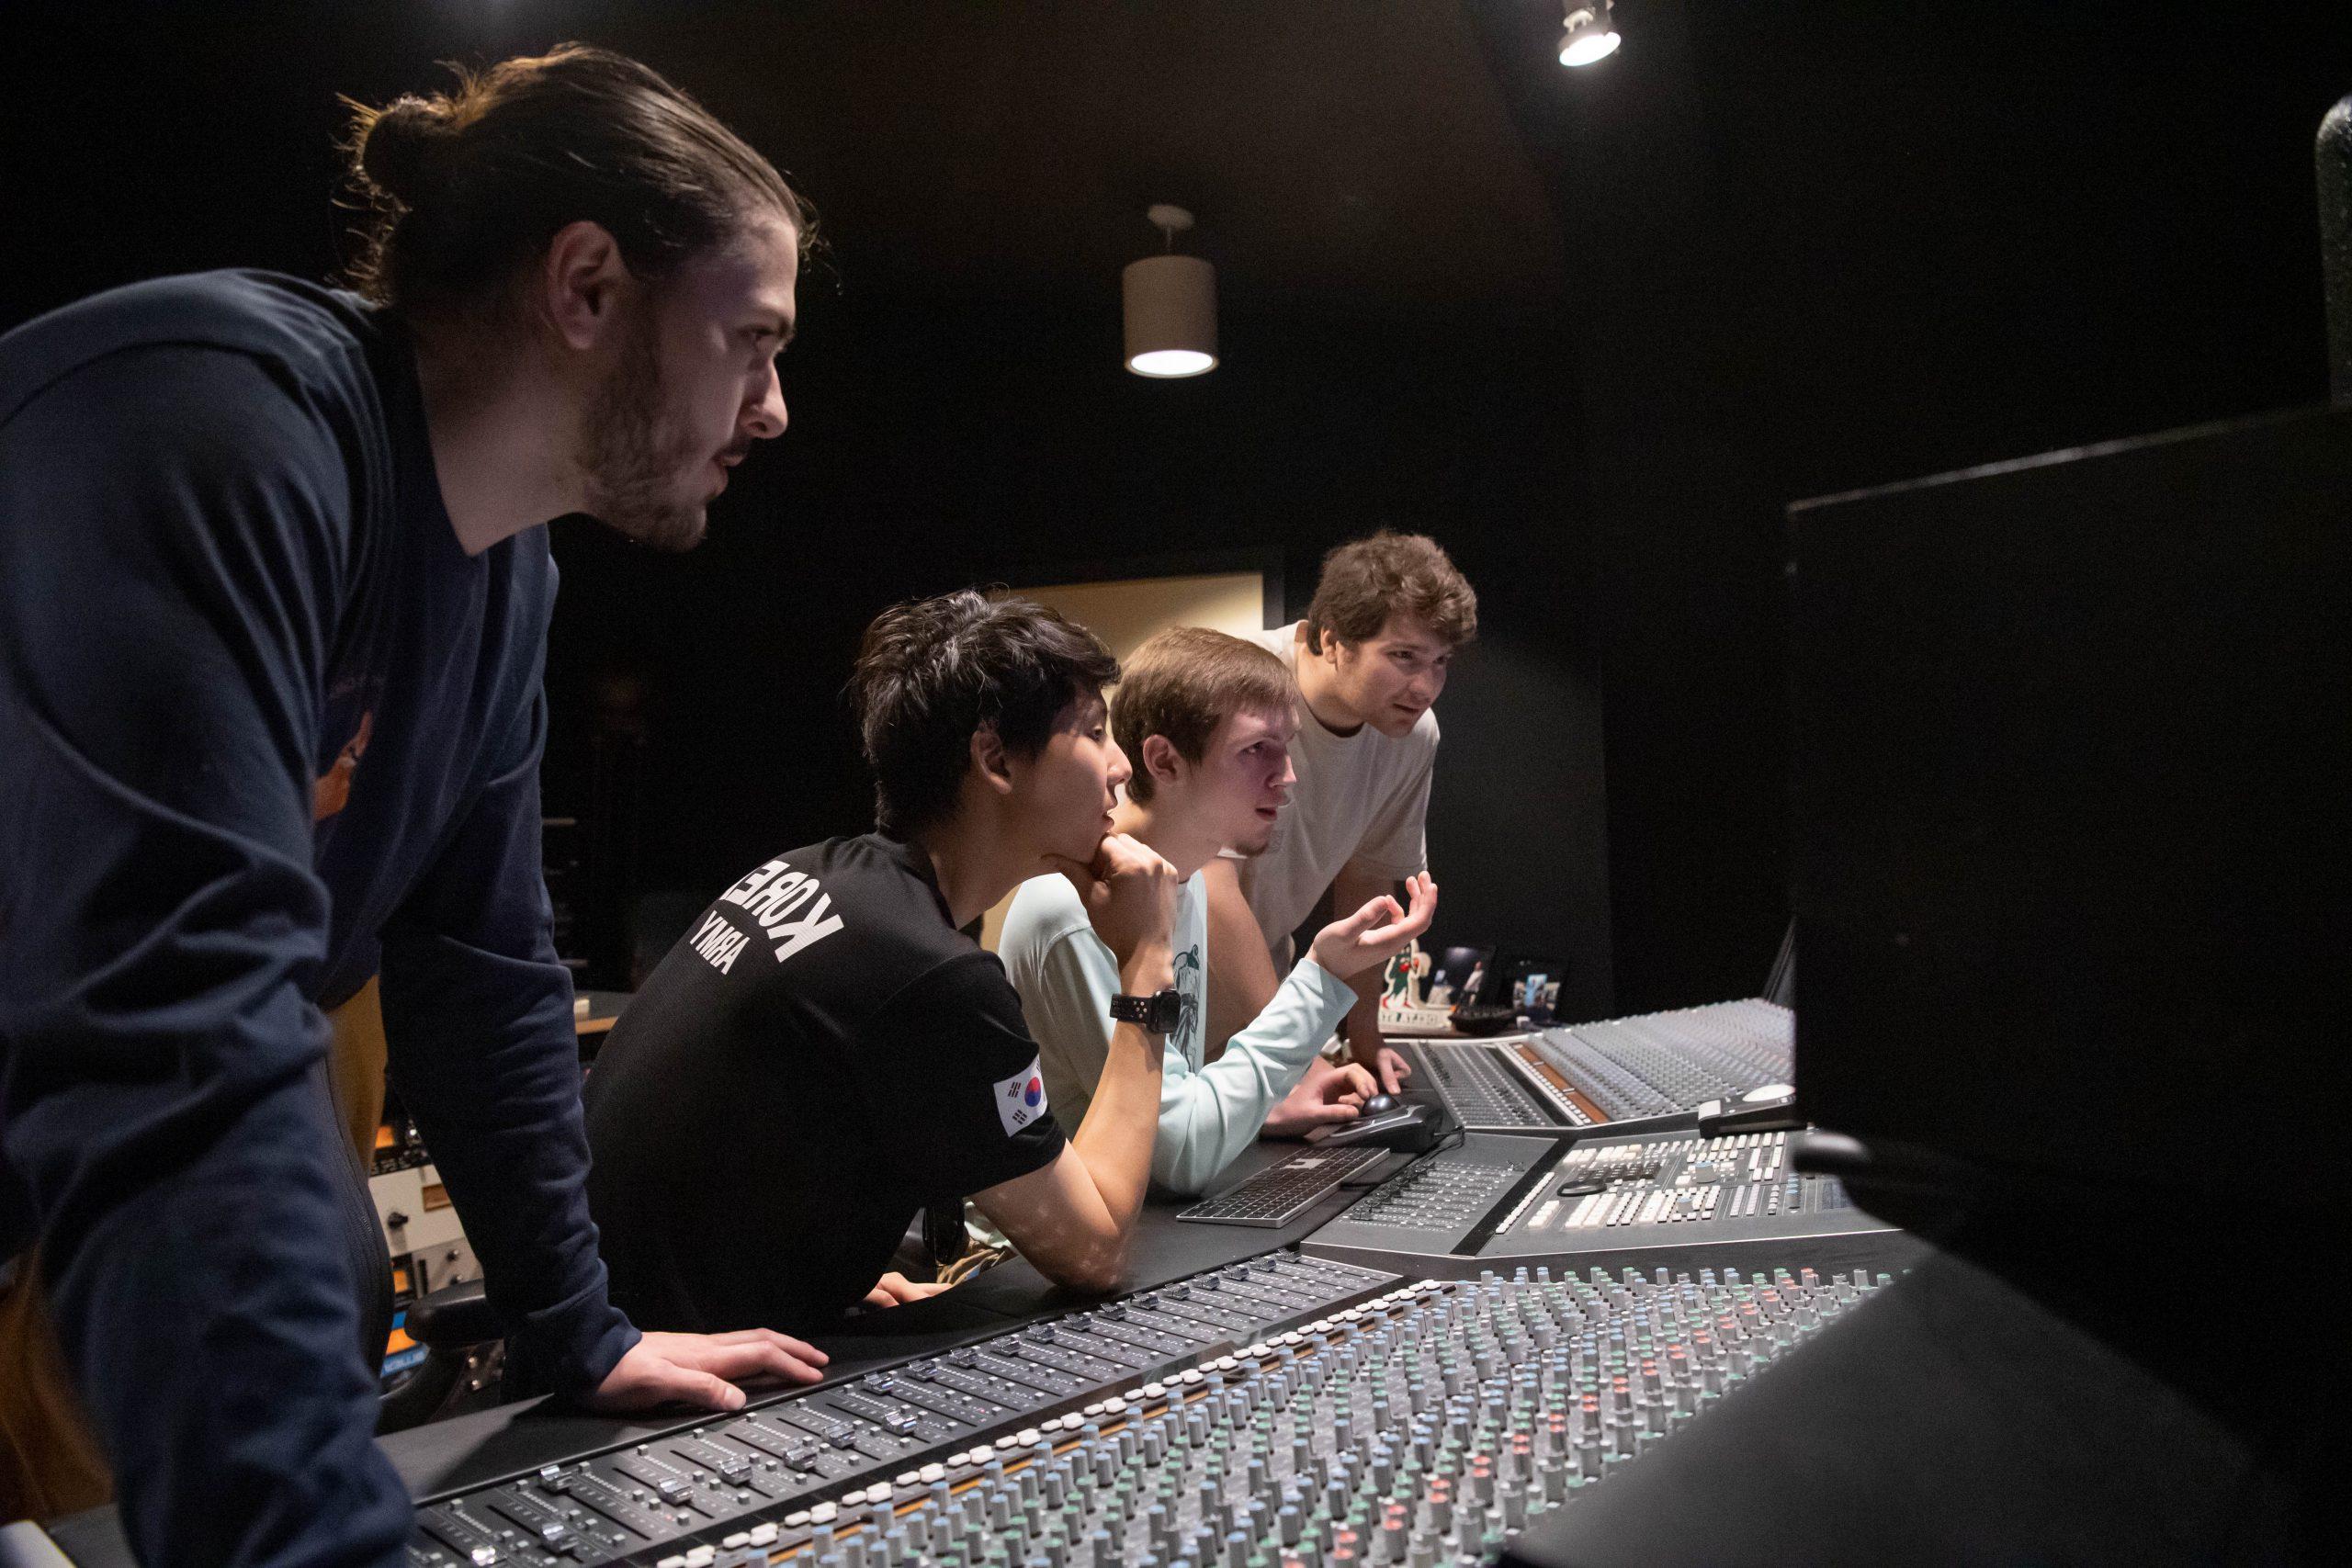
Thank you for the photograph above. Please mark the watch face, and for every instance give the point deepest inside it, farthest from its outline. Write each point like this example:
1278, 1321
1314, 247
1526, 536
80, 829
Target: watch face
1160, 1013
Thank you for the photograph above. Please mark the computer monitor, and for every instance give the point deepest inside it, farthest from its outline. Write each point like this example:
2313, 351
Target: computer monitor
2072, 768
1458, 964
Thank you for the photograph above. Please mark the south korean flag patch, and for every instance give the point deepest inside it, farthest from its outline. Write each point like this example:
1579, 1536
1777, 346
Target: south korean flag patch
1021, 1098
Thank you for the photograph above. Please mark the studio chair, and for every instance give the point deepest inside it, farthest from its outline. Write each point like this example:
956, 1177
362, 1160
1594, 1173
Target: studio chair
461, 1337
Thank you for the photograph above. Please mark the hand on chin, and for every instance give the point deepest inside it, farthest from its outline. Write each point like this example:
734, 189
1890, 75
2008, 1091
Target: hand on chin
1085, 850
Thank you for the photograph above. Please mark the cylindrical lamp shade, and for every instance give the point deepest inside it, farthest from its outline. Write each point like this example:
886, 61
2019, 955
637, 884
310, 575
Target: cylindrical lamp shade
1171, 315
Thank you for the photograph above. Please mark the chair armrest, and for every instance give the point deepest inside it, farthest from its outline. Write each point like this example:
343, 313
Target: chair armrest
454, 1317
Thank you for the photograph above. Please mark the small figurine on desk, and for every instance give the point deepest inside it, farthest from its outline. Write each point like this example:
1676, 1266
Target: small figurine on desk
1401, 981
1403, 1008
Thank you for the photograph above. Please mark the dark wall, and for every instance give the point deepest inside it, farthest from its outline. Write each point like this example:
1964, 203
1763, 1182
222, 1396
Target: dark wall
1826, 245
1816, 245
931, 448
932, 444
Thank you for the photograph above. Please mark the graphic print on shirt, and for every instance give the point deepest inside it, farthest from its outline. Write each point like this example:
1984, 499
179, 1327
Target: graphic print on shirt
792, 911
1021, 1098
1188, 986
330, 791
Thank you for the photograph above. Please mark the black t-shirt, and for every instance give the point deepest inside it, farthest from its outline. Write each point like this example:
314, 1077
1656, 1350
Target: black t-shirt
819, 1057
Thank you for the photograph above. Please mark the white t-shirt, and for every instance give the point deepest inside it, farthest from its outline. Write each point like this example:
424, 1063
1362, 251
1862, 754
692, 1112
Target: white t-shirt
1360, 799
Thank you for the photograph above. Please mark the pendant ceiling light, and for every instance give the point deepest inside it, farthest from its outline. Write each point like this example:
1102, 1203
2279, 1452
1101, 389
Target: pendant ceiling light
1170, 306
1590, 35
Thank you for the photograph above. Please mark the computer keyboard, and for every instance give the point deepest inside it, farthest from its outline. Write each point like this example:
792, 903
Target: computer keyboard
1279, 1194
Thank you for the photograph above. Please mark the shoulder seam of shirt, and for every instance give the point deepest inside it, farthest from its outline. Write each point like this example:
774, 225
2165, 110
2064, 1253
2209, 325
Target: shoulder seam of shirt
931, 973
7, 416
1062, 931
1062, 923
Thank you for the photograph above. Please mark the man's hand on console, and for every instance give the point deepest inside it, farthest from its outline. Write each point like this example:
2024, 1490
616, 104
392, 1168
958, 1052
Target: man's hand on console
1390, 1068
894, 1289
703, 1368
1325, 1094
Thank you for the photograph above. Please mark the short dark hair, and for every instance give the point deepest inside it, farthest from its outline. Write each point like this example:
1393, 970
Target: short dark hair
1365, 581
1185, 682
463, 190
931, 674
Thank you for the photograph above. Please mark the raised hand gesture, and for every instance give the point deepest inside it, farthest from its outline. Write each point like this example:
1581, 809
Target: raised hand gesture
1348, 946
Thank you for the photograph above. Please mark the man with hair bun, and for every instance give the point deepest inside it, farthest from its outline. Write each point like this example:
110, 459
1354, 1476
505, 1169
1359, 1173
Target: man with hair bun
1370, 657
275, 587
1206, 721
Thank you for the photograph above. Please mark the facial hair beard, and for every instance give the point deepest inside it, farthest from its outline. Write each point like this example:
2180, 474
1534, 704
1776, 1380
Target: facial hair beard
633, 456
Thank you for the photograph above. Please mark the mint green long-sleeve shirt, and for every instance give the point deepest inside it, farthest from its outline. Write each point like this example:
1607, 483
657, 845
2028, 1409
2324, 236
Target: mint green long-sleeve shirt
1209, 1111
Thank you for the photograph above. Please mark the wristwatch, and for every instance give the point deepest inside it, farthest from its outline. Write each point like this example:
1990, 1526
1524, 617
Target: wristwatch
1159, 1012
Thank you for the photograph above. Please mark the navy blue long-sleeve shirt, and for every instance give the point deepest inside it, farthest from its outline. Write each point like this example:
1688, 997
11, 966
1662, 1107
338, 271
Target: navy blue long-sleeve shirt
265, 729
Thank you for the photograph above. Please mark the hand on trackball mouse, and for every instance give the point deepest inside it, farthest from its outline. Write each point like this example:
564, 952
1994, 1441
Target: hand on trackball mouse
1327, 1093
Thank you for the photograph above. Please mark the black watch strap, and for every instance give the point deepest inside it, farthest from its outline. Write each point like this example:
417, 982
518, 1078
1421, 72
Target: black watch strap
1159, 1012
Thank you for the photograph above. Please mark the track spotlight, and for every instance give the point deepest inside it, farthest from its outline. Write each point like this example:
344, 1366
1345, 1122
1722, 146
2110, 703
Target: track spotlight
1592, 34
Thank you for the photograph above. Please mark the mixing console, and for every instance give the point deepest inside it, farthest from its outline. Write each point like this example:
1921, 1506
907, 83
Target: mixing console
798, 1463
1500, 1200
1491, 1086
1441, 1206
1626, 1074
1424, 1426
1662, 1066
1275, 1196
1399, 1423
1674, 1190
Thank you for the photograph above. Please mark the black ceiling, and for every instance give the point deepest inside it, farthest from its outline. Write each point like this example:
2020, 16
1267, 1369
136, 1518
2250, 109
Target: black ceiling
1328, 149
1355, 155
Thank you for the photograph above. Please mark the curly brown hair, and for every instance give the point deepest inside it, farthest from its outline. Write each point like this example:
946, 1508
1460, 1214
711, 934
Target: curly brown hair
1365, 581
